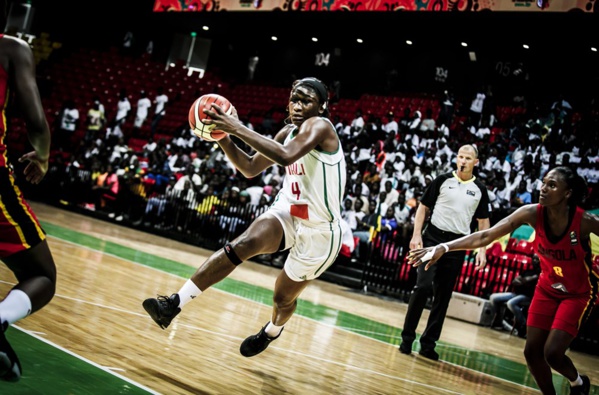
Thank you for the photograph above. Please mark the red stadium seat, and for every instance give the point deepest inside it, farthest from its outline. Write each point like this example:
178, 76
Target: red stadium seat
511, 244
524, 247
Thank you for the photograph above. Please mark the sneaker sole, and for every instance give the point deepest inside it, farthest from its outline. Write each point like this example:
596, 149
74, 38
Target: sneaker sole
151, 307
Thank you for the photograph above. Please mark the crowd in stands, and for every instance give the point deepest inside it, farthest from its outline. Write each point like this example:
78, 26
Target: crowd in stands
390, 163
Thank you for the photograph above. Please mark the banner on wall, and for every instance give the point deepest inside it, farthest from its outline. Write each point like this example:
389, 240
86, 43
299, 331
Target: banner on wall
373, 5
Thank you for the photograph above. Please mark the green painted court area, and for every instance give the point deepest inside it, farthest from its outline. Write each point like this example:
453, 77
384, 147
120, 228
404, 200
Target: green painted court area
48, 370
51, 370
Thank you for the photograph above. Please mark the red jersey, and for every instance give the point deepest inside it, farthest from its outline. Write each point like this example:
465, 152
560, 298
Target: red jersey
566, 262
4, 95
19, 227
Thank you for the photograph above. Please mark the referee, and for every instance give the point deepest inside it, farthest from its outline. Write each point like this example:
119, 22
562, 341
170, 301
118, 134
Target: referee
454, 199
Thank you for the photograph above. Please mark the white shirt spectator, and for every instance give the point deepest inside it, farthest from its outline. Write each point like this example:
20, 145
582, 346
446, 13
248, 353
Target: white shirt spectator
416, 121
115, 133
195, 179
391, 197
143, 105
119, 151
69, 119
477, 103
160, 102
123, 108
402, 213
150, 146
357, 124
255, 193
391, 126
481, 132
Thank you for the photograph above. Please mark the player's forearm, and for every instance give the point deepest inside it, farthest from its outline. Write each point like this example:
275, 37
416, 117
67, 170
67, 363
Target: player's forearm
475, 240
266, 146
39, 136
245, 163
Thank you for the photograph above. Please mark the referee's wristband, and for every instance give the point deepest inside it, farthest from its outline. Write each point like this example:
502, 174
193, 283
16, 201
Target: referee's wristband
445, 246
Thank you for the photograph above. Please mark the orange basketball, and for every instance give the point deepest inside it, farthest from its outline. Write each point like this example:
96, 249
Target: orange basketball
197, 115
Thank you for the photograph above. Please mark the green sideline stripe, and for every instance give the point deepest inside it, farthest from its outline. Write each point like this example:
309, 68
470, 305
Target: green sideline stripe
49, 371
478, 361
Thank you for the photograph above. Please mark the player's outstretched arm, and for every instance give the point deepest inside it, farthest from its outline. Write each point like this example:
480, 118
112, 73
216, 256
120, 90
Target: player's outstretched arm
524, 215
22, 65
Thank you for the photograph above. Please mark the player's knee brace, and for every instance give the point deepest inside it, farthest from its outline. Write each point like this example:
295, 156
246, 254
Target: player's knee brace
231, 254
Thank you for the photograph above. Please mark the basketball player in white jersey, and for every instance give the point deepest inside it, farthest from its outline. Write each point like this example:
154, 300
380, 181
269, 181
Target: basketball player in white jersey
304, 218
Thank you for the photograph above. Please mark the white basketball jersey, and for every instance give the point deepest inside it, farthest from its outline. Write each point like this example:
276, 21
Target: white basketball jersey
314, 184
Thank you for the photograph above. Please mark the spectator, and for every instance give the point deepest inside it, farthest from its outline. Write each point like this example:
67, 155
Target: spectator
521, 196
415, 123
191, 176
106, 190
143, 106
357, 124
476, 107
128, 40
391, 125
95, 122
447, 108
428, 123
349, 215
123, 108
160, 103
69, 122
388, 225
392, 193
515, 300
364, 232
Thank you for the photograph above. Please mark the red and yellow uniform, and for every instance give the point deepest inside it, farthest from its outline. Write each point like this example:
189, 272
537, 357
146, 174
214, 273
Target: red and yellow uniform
19, 227
567, 287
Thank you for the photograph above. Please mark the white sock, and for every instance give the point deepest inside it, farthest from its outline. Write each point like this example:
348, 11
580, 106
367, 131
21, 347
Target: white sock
15, 306
188, 292
576, 382
273, 330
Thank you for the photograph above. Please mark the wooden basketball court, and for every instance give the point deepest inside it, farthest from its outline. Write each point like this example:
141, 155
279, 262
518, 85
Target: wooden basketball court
94, 337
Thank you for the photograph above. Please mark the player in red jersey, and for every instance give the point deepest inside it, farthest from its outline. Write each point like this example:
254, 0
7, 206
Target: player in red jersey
23, 245
568, 286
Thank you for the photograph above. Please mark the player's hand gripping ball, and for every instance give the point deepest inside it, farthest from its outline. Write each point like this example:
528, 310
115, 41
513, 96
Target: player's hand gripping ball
197, 115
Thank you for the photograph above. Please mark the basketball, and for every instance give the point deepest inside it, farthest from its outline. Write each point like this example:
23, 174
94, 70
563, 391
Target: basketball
197, 115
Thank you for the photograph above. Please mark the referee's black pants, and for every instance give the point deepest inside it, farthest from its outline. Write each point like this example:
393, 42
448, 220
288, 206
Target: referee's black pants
439, 280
